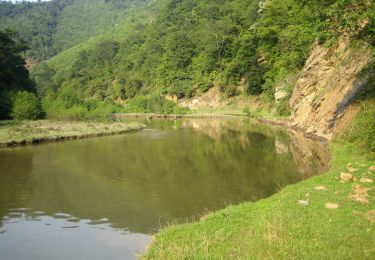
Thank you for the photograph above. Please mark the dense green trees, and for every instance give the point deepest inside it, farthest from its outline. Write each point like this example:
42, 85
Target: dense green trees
176, 47
52, 26
13, 74
183, 47
35, 22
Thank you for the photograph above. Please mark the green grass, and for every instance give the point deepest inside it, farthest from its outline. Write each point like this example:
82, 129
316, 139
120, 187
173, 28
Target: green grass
279, 227
22, 132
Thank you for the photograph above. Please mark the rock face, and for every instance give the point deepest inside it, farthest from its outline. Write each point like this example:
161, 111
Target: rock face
210, 99
321, 100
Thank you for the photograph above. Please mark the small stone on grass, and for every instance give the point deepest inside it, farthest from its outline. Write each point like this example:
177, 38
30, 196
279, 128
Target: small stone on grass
366, 180
346, 177
359, 198
332, 206
320, 188
361, 190
370, 216
372, 168
303, 202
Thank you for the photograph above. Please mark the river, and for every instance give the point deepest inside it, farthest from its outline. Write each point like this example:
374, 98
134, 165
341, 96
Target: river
103, 198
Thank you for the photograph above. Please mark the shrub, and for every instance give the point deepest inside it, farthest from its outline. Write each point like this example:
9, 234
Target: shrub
68, 97
252, 114
282, 107
205, 86
362, 132
181, 88
91, 109
26, 106
153, 104
254, 80
246, 111
231, 91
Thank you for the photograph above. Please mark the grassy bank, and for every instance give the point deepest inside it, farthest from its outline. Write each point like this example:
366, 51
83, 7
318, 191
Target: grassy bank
13, 133
295, 223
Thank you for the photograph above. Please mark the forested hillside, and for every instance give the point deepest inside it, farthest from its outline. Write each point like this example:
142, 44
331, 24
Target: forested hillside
13, 74
52, 26
192, 45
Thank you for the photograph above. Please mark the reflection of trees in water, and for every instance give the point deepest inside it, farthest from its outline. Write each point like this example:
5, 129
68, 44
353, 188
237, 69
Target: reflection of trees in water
309, 156
14, 176
137, 181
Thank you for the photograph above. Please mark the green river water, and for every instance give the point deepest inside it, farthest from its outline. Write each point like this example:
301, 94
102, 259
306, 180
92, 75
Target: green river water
103, 198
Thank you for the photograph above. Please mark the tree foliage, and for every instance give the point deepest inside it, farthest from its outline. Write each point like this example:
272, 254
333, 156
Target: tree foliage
184, 47
52, 26
13, 74
26, 105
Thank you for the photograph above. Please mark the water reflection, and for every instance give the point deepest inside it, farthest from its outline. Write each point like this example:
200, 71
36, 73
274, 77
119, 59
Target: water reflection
85, 195
33, 235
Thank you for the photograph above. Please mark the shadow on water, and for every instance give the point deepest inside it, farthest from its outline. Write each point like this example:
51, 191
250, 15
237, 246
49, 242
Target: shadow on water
133, 184
13, 180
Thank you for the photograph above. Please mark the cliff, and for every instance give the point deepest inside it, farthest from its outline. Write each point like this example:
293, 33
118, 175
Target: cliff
321, 102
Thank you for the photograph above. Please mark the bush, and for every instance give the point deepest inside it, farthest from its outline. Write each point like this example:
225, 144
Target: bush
26, 106
362, 132
71, 107
254, 79
153, 104
181, 89
282, 107
68, 97
205, 86
246, 111
231, 91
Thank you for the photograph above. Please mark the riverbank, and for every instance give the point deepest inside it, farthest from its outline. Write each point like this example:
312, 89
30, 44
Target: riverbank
15, 133
196, 114
262, 117
330, 216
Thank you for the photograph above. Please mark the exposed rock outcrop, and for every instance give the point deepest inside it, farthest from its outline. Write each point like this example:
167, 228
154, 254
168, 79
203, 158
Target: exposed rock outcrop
321, 100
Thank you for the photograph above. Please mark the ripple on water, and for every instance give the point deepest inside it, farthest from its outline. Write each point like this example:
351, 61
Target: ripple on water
71, 227
19, 210
39, 213
99, 221
61, 216
73, 220
55, 235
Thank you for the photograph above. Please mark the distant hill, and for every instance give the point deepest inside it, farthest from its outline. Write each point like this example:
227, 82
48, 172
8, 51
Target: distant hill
191, 45
52, 26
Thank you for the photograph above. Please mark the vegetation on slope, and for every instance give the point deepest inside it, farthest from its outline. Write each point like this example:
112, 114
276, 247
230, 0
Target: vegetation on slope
13, 74
52, 26
193, 45
362, 132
